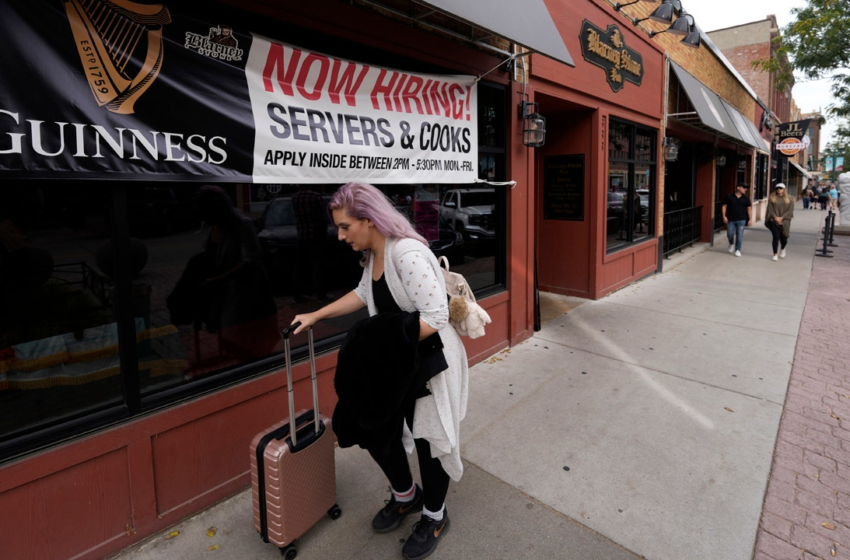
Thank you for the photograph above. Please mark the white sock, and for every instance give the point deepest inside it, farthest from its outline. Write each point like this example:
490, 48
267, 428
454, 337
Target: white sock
404, 497
438, 516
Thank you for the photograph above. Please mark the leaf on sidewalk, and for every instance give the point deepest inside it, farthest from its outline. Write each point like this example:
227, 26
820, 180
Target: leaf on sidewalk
172, 534
211, 531
213, 547
829, 526
727, 408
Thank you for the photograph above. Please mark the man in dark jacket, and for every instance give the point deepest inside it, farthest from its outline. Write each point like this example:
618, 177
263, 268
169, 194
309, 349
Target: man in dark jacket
737, 212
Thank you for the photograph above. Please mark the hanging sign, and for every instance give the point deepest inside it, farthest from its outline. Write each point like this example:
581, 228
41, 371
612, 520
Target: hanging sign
122, 89
791, 137
607, 50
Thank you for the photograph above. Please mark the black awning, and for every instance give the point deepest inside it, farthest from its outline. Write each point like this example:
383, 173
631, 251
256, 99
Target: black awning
800, 169
745, 127
527, 23
710, 111
713, 114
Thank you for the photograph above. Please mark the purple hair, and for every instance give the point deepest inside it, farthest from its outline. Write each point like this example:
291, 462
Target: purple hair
361, 200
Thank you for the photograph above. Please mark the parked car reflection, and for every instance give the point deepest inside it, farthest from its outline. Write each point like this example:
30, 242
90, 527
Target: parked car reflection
279, 241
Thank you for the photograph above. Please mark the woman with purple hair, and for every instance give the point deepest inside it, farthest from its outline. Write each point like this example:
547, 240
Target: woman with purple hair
402, 274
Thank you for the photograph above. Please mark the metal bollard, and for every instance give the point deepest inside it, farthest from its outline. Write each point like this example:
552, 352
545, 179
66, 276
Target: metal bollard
830, 218
832, 230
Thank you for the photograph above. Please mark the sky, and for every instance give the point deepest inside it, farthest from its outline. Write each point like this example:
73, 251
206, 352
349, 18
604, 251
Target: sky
720, 14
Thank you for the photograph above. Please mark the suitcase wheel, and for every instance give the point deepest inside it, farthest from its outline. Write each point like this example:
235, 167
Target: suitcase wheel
289, 552
334, 512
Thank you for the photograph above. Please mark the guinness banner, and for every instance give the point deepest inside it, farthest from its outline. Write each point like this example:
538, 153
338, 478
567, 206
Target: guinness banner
791, 137
124, 90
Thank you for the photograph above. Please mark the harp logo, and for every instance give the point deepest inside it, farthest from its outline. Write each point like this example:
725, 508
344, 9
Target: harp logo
120, 47
219, 43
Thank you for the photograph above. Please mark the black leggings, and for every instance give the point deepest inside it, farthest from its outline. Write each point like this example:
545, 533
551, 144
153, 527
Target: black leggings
435, 481
778, 236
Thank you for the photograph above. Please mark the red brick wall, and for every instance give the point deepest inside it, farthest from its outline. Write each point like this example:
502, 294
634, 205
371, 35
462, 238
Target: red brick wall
742, 58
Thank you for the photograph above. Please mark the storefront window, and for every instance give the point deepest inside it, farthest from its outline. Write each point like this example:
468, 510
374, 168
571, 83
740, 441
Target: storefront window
761, 177
631, 184
59, 344
210, 275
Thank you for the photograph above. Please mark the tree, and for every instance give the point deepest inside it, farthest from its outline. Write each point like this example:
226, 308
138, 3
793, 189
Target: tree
818, 46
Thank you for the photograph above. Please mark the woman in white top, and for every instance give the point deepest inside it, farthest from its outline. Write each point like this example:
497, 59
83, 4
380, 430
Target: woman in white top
401, 273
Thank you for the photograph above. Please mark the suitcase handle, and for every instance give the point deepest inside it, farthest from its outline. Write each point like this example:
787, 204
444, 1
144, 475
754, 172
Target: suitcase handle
290, 329
288, 353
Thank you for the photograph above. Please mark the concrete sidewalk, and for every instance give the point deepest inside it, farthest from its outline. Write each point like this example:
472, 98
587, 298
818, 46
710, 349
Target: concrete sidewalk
639, 425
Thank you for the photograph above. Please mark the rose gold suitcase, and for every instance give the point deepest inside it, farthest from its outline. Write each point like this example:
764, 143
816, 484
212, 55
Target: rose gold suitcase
292, 474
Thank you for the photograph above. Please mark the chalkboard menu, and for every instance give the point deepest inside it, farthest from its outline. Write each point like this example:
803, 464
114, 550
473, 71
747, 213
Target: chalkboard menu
563, 187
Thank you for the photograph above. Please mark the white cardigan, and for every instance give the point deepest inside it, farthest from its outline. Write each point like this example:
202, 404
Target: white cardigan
416, 284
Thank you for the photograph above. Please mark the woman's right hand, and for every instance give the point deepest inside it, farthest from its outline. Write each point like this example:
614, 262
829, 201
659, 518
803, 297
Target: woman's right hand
307, 320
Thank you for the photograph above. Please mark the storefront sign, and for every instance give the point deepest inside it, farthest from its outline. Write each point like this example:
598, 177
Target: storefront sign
563, 187
607, 50
157, 94
791, 137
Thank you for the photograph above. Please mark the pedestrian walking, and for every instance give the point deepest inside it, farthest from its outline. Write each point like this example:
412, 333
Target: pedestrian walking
401, 276
823, 196
780, 212
737, 211
807, 197
833, 197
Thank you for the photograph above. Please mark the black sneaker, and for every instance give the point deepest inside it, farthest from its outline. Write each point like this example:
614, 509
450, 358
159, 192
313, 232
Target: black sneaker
391, 514
426, 535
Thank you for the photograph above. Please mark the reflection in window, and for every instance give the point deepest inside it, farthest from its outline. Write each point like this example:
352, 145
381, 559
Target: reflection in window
230, 286
58, 335
631, 184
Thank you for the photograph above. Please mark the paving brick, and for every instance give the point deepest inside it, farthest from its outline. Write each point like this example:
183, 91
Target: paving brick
813, 386
810, 423
781, 490
784, 475
789, 449
777, 548
844, 471
785, 510
810, 541
800, 392
809, 444
841, 433
821, 414
823, 438
842, 515
810, 471
815, 487
820, 461
840, 533
795, 464
834, 481
776, 526
814, 503
840, 455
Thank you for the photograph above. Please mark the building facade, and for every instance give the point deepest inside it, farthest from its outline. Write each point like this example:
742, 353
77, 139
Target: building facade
161, 173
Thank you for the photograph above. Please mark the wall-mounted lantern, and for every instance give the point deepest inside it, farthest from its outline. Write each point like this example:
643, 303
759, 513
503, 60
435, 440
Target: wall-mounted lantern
721, 160
671, 148
534, 125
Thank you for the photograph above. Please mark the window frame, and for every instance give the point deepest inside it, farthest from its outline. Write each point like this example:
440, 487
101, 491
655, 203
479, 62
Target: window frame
635, 130
133, 403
